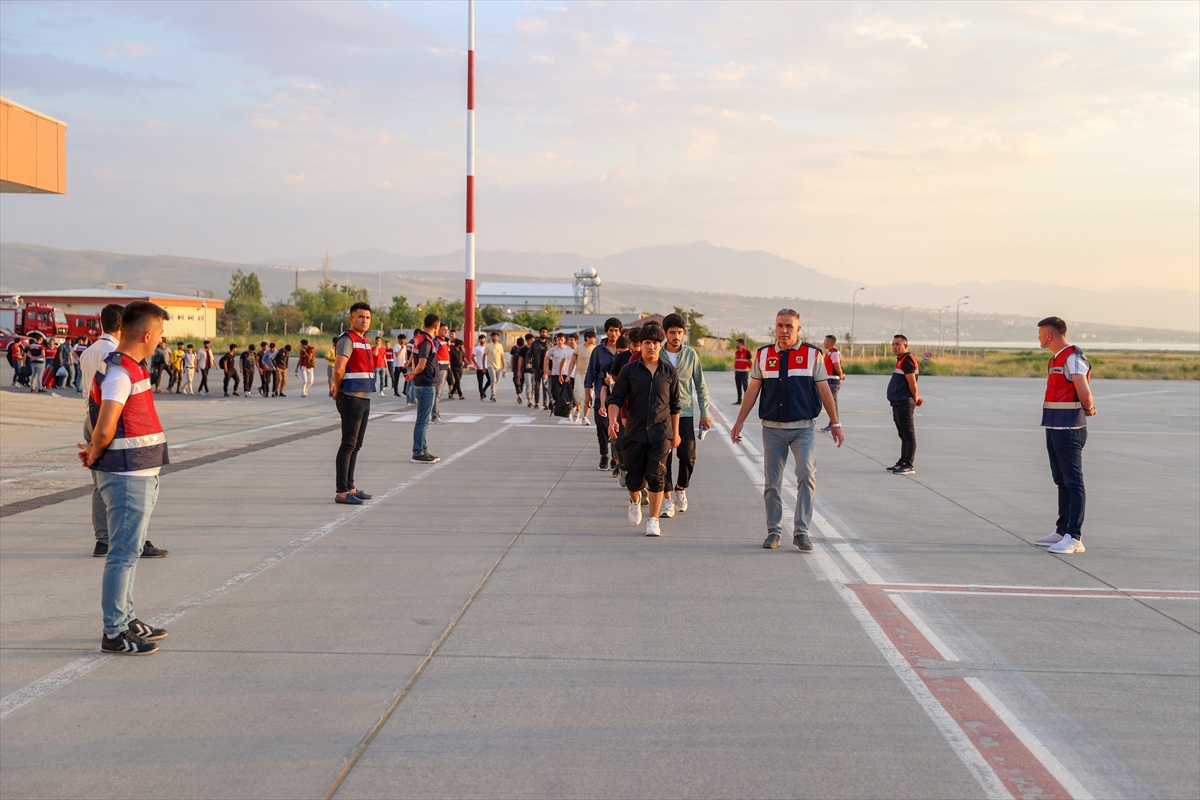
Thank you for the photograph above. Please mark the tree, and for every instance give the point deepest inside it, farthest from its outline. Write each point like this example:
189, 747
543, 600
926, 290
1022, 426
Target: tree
696, 330
402, 315
488, 315
751, 344
244, 310
327, 307
548, 317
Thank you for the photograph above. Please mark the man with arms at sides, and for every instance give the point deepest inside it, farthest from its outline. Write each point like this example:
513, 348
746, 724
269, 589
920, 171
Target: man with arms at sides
493, 362
204, 362
281, 365
1065, 410
423, 378
902, 394
741, 370
537, 365
552, 367
833, 368
518, 353
788, 379
352, 387
687, 364
581, 359
305, 366
443, 370
399, 353
249, 362
230, 369
480, 363
649, 389
92, 364
127, 450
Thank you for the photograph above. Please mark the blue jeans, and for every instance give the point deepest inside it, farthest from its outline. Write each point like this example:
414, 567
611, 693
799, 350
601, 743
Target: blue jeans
78, 375
380, 379
130, 501
776, 444
409, 388
425, 396
1066, 465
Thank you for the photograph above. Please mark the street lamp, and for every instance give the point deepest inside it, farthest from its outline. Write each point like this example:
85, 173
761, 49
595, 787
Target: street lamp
940, 330
961, 302
906, 308
853, 301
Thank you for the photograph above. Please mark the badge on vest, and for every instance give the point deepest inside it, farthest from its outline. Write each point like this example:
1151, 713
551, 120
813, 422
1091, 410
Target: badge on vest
772, 362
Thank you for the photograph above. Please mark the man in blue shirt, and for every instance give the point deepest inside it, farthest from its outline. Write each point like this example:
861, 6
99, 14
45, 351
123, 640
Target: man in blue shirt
594, 378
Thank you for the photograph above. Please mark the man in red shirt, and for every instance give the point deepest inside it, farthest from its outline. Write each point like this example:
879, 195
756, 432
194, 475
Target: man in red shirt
833, 367
741, 370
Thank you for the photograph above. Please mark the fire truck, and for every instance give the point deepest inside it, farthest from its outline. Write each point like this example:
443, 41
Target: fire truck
26, 319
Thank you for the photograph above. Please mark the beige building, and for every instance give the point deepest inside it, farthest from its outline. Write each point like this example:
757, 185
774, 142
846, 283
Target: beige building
191, 317
33, 151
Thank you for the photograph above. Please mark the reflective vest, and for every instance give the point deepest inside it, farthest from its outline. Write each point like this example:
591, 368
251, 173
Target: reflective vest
789, 393
898, 391
360, 368
1061, 408
830, 365
741, 360
443, 350
139, 442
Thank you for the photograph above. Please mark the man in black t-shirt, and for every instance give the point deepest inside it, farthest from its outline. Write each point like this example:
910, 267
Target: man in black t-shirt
423, 374
903, 395
518, 353
537, 366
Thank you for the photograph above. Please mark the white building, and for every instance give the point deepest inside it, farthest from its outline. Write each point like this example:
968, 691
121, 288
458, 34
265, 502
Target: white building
512, 298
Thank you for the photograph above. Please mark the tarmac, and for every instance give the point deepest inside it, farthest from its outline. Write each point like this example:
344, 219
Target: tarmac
492, 626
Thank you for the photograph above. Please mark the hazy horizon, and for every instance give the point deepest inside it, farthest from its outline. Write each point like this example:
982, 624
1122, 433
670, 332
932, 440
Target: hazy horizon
883, 143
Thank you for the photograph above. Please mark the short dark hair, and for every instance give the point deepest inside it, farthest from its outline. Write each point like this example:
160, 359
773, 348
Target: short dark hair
287, 347
622, 341
831, 337
635, 335
234, 347
1058, 323
190, 346
741, 341
431, 320
137, 316
496, 334
529, 337
543, 328
589, 335
674, 321
483, 336
304, 341
901, 337
652, 332
250, 346
110, 318
264, 344
360, 306
208, 341
613, 322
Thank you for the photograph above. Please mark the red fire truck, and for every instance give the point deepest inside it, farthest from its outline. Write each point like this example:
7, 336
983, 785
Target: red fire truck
25, 319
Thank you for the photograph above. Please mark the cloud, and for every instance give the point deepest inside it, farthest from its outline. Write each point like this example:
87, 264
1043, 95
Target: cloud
129, 49
53, 76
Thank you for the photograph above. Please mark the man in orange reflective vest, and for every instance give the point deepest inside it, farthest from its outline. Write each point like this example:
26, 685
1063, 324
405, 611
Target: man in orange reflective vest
351, 389
741, 370
1067, 405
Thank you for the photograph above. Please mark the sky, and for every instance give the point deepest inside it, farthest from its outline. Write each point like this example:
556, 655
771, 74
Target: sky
881, 142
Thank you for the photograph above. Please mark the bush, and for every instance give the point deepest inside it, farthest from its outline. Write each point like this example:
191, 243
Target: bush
715, 363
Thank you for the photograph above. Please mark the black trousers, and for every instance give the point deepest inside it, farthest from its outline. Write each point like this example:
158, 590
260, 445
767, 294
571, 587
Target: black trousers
355, 411
517, 379
902, 415
397, 377
601, 430
484, 381
686, 452
455, 382
1066, 467
230, 376
248, 380
741, 379
537, 398
645, 464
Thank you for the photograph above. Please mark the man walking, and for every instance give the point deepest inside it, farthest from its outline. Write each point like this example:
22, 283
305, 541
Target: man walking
552, 368
833, 368
518, 353
788, 379
741, 370
442, 344
36, 353
189, 370
306, 366
580, 359
229, 370
597, 370
270, 377
205, 362
687, 364
481, 374
177, 359
81, 344
1067, 405
902, 394
399, 351
649, 390
537, 365
352, 387
249, 367
423, 378
127, 450
493, 362
281, 364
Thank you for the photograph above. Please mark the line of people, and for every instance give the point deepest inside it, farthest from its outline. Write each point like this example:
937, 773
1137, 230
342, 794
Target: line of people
45, 364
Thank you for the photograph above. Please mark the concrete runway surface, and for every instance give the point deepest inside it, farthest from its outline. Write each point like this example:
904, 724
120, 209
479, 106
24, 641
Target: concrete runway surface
492, 626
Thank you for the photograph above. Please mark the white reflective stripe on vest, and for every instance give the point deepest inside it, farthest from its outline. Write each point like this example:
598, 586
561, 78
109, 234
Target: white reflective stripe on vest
800, 370
361, 376
139, 387
897, 371
1048, 404
134, 442
360, 345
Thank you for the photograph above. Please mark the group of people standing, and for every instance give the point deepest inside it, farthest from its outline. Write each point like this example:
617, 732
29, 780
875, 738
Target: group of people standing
269, 364
44, 364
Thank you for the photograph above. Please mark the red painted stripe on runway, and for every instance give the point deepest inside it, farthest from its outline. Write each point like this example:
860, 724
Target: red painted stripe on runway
1019, 769
1170, 594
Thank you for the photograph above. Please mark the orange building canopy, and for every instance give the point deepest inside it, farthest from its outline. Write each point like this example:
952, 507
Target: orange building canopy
33, 151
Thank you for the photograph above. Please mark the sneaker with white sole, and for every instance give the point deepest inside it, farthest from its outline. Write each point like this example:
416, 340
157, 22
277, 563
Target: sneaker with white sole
127, 643
1067, 546
668, 508
681, 500
635, 513
1049, 539
652, 528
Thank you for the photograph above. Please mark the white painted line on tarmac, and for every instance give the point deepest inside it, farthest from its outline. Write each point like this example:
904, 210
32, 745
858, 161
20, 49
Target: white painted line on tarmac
945, 652
86, 663
464, 419
1132, 394
518, 420
1039, 750
405, 418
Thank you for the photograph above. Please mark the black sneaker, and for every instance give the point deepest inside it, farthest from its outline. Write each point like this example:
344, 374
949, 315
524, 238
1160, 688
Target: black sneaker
150, 634
101, 549
617, 471
771, 542
150, 551
801, 541
425, 458
127, 644
362, 495
604, 463
895, 466
351, 499
905, 470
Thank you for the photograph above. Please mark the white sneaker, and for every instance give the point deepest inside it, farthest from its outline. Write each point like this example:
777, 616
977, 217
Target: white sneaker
635, 513
668, 508
572, 415
681, 500
1049, 539
1068, 545
584, 418
652, 527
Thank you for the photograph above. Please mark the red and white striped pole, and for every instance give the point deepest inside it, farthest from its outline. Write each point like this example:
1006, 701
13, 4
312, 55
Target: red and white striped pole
469, 298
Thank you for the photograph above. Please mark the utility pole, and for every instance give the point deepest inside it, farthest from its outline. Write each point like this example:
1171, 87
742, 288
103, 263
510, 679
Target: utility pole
962, 301
941, 330
469, 292
853, 301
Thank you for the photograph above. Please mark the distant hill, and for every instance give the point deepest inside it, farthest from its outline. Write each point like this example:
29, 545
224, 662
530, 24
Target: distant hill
700, 265
26, 267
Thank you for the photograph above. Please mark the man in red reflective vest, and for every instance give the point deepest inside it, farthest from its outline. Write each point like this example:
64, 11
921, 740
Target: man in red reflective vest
351, 389
127, 450
741, 370
1065, 409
